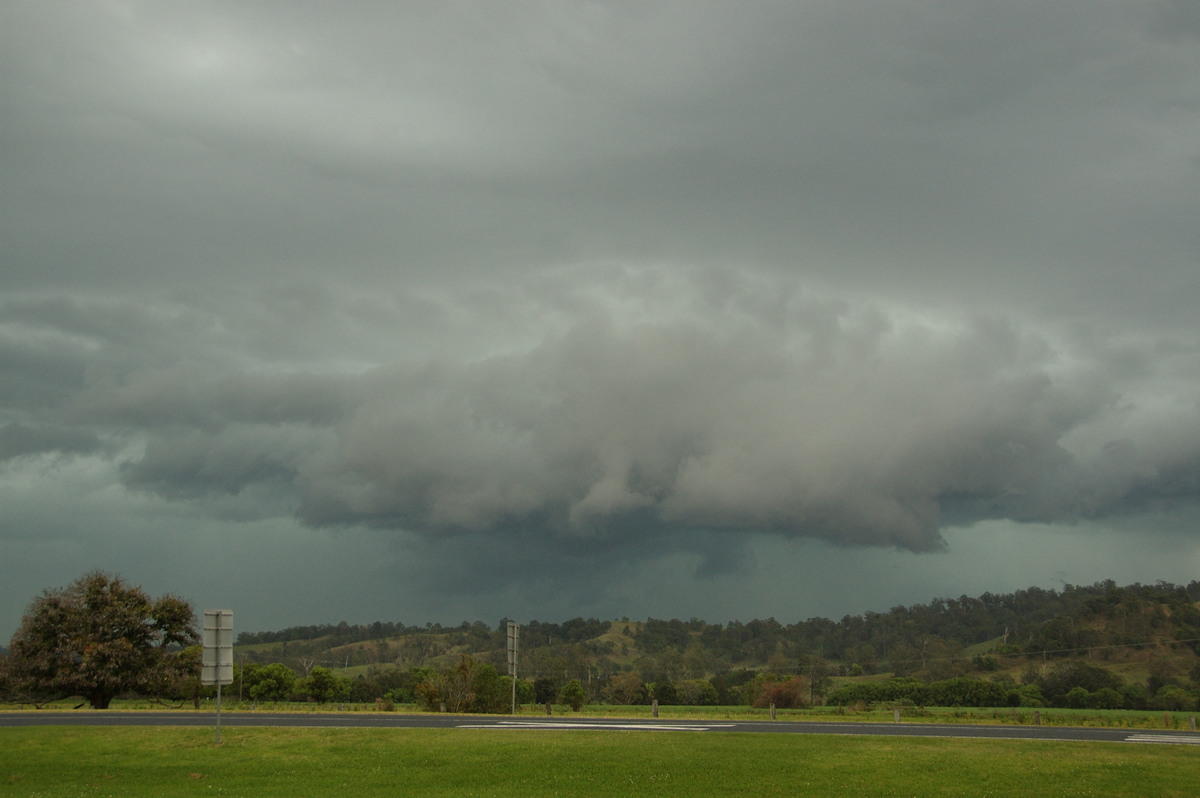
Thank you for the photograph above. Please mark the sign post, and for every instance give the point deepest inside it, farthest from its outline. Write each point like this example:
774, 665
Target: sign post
514, 639
216, 664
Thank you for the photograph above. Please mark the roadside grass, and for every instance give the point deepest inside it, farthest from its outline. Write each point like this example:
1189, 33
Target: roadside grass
1101, 718
135, 761
1106, 718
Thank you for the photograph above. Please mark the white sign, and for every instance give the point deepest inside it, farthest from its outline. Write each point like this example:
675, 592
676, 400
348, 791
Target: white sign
216, 665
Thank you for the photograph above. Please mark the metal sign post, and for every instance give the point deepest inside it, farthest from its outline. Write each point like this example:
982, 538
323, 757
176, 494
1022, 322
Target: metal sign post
216, 664
514, 639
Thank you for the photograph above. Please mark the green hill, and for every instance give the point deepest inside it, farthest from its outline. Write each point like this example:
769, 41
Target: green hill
1149, 634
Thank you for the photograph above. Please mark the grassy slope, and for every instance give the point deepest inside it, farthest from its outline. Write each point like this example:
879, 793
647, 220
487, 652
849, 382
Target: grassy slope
59, 761
1131, 665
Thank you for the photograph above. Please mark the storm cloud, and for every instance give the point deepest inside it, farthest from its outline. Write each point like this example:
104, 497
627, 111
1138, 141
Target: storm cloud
672, 401
512, 299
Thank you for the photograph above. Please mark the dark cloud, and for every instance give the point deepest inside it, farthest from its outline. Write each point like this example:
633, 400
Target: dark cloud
747, 408
555, 296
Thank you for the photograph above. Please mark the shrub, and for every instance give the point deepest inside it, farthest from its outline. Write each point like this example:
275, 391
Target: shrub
665, 693
1107, 698
626, 688
572, 695
323, 685
273, 682
1028, 696
697, 692
1078, 698
790, 694
1174, 699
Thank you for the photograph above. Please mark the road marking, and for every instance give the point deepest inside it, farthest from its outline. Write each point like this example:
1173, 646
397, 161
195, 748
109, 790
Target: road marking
560, 725
1169, 739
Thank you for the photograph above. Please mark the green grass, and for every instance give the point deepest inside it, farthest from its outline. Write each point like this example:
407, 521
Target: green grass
1102, 718
90, 761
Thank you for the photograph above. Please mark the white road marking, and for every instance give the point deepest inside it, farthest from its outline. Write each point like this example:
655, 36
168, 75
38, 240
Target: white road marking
560, 725
1169, 739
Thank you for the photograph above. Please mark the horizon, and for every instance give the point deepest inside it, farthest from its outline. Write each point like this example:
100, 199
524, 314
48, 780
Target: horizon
629, 619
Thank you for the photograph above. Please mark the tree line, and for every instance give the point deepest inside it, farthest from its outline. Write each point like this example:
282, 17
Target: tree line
100, 637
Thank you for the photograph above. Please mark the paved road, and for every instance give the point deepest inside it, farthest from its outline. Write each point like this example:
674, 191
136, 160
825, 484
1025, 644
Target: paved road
396, 721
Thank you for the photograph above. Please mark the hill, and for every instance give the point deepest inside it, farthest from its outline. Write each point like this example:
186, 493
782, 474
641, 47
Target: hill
1146, 633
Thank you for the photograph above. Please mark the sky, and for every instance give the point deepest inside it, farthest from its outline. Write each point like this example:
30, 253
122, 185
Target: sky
479, 310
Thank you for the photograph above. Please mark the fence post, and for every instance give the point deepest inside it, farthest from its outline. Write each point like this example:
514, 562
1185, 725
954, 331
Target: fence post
772, 710
654, 708
896, 714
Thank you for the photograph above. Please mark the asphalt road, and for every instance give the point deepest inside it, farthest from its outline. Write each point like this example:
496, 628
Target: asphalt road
434, 721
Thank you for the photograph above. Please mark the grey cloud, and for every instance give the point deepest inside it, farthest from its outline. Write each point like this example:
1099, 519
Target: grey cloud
1176, 19
180, 397
807, 138
190, 465
36, 373
735, 414
17, 440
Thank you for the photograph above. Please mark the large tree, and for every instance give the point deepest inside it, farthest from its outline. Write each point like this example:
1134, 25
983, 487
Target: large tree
100, 637
273, 682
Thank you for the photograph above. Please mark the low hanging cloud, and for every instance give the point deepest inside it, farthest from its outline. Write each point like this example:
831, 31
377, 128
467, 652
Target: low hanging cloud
706, 412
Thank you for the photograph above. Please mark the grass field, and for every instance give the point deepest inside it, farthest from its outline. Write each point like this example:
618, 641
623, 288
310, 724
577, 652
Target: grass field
91, 761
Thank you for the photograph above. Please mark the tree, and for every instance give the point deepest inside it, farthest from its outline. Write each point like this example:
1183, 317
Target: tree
817, 671
6, 686
572, 694
626, 688
186, 685
472, 686
697, 692
323, 685
493, 692
273, 682
665, 693
99, 637
545, 690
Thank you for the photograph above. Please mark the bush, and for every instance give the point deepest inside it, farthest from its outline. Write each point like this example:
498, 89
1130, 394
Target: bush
545, 690
626, 688
1174, 699
572, 695
1066, 676
273, 682
525, 691
1078, 698
697, 692
1029, 696
323, 685
665, 693
471, 686
966, 692
789, 694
